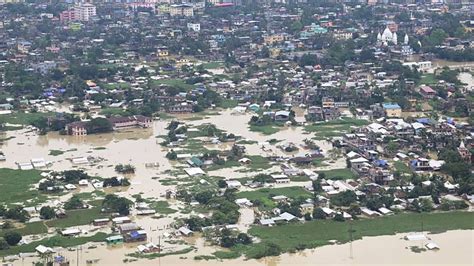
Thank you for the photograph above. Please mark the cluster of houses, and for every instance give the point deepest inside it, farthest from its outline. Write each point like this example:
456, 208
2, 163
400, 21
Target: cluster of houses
180, 22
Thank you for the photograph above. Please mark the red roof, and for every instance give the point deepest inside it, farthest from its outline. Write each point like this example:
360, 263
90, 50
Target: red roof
426, 89
223, 4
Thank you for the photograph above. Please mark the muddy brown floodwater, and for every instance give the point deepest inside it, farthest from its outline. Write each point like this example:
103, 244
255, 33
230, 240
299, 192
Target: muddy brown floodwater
141, 146
456, 248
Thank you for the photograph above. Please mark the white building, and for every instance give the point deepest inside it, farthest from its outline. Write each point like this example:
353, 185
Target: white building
84, 12
194, 27
387, 37
421, 66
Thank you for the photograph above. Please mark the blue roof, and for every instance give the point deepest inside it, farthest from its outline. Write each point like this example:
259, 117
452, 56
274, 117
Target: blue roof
381, 162
391, 106
134, 234
425, 121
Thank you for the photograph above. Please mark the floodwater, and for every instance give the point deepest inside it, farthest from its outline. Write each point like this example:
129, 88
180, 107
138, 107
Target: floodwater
132, 146
455, 249
140, 147
442, 63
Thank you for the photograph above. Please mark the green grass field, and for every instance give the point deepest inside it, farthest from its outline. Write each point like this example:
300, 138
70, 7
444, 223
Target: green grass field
265, 130
402, 167
228, 103
212, 65
177, 83
258, 163
55, 241
299, 178
22, 118
33, 228
334, 128
77, 217
162, 207
265, 193
15, 186
428, 79
114, 112
318, 233
112, 86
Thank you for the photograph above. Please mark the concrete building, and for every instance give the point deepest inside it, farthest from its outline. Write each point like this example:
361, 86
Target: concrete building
194, 27
81, 12
85, 12
392, 109
182, 10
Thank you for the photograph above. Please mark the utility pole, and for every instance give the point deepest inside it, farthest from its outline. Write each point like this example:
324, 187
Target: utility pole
159, 244
77, 254
350, 236
422, 229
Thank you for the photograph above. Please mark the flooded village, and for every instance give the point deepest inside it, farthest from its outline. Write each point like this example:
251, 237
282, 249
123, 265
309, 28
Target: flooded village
234, 133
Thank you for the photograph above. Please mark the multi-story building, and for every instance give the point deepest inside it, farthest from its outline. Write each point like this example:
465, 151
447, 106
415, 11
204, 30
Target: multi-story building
67, 15
81, 12
76, 128
181, 10
2, 2
194, 27
85, 12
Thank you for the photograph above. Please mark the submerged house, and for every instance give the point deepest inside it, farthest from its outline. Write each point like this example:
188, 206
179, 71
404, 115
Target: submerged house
135, 236
79, 128
130, 121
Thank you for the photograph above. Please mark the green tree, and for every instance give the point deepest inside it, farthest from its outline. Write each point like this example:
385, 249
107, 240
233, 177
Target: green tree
319, 214
426, 205
436, 37
46, 212
296, 26
344, 198
338, 217
244, 239
17, 213
74, 203
73, 176
113, 203
99, 125
204, 197
12, 237
308, 60
3, 244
